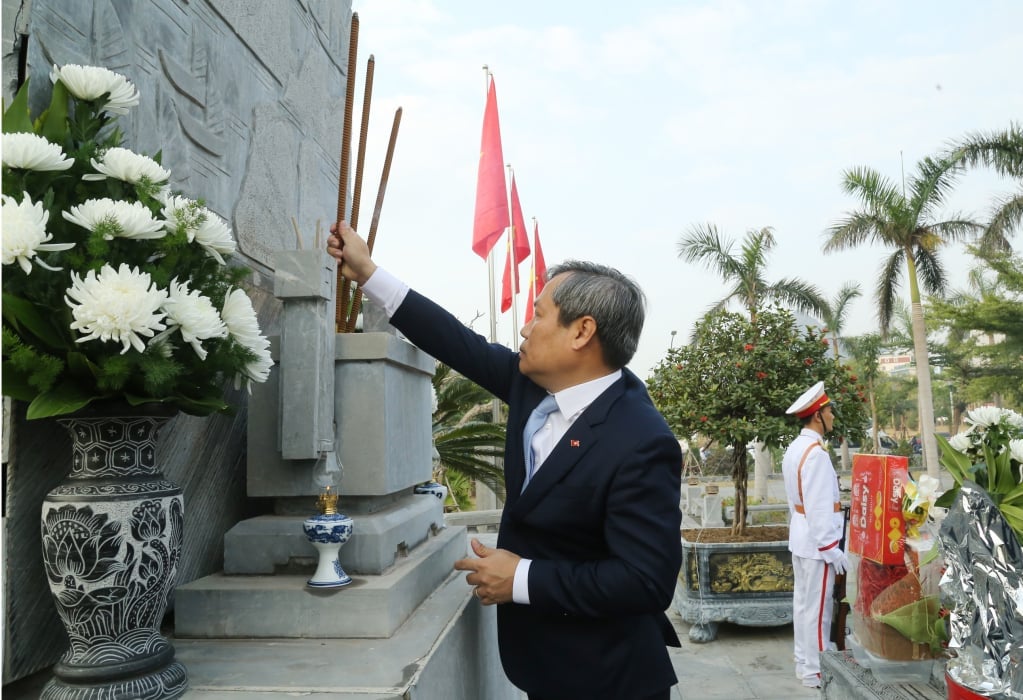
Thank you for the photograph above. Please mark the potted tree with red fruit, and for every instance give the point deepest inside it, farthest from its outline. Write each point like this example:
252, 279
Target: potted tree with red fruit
732, 384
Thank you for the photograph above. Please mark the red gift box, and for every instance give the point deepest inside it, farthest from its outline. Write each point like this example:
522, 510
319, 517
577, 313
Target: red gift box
877, 530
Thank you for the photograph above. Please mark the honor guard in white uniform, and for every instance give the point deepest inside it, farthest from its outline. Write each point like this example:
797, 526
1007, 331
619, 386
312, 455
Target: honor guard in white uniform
815, 531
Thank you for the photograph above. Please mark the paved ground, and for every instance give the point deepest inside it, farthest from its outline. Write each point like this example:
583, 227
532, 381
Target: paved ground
744, 663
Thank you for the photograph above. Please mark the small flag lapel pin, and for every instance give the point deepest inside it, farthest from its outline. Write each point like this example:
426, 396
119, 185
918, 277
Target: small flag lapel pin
573, 443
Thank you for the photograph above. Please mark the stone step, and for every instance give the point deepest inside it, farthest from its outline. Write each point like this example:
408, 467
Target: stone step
282, 606
446, 650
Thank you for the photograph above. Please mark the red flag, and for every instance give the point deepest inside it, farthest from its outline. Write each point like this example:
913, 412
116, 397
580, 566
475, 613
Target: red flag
491, 194
506, 287
521, 238
537, 274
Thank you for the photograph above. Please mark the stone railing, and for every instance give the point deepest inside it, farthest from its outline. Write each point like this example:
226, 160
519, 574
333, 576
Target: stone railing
475, 520
758, 508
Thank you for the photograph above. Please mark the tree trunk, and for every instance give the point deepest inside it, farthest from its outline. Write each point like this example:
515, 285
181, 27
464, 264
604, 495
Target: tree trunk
740, 476
874, 427
925, 400
846, 459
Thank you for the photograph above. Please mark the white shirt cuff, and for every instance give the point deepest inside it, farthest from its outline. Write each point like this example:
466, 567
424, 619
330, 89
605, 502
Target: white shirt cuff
520, 584
386, 290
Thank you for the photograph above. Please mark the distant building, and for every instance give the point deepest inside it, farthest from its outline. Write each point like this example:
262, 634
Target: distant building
897, 364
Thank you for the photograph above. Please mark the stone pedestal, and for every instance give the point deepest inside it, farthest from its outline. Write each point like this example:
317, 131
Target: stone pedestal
399, 550
710, 510
352, 412
693, 493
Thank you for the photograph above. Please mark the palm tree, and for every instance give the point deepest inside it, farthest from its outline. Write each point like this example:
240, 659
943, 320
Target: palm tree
1002, 151
466, 439
906, 221
833, 316
745, 272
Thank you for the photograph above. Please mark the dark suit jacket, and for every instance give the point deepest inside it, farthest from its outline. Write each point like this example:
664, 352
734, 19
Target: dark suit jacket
600, 520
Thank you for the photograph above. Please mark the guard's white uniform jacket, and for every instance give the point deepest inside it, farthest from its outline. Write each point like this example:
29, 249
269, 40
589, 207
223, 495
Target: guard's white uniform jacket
819, 525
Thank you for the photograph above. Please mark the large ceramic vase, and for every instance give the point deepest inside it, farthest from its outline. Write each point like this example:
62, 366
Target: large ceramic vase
111, 536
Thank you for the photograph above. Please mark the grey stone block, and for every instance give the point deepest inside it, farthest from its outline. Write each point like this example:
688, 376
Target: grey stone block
446, 650
693, 497
382, 409
269, 543
711, 510
220, 606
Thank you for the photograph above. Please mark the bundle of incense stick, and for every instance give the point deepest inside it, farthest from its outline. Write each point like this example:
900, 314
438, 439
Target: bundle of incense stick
349, 300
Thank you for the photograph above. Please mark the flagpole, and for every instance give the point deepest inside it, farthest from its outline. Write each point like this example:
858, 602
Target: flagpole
485, 498
514, 262
490, 261
532, 265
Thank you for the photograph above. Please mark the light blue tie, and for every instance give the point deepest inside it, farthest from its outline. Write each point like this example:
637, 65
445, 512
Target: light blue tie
536, 420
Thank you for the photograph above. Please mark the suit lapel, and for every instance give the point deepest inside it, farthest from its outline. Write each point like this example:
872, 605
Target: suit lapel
581, 437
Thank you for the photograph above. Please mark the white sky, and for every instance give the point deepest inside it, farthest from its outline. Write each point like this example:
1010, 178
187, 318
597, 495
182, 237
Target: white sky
626, 123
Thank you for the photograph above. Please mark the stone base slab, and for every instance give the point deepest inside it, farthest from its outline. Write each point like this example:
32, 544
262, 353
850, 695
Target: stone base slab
842, 678
221, 606
271, 543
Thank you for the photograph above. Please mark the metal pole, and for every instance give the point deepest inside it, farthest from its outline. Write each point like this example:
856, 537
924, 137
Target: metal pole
513, 263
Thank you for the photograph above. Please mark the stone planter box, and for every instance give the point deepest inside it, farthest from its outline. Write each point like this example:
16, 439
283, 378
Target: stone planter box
747, 583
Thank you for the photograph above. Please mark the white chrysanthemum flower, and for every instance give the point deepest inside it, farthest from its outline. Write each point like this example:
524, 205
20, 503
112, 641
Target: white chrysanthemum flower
1012, 418
127, 166
201, 225
984, 416
182, 211
116, 219
118, 305
24, 233
215, 237
1016, 450
32, 152
240, 318
960, 442
194, 314
91, 83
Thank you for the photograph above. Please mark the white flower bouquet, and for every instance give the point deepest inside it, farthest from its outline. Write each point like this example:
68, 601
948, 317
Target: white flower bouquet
113, 287
990, 453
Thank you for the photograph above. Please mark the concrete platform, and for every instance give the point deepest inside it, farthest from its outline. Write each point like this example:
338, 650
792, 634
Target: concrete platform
220, 606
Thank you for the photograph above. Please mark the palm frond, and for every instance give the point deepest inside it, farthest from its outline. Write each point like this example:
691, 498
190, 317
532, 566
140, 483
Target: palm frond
855, 229
929, 271
889, 280
999, 150
798, 294
1006, 217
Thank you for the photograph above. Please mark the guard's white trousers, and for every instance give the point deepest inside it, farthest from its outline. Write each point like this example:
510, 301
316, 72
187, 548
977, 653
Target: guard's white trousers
812, 609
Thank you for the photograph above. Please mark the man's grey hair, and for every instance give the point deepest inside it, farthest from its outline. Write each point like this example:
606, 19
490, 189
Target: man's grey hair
614, 301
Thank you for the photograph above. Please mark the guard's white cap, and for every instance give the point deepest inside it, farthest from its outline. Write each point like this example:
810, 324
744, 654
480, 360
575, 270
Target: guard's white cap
812, 400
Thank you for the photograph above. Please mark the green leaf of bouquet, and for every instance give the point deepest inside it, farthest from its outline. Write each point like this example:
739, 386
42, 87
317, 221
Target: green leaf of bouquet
53, 122
201, 407
1016, 494
1014, 517
16, 116
945, 499
15, 383
59, 401
957, 463
23, 314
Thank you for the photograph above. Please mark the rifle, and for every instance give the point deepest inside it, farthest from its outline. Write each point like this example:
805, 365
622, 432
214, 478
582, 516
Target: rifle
841, 607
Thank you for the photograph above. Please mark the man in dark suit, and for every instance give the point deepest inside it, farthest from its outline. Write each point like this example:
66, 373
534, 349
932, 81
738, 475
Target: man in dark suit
588, 549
